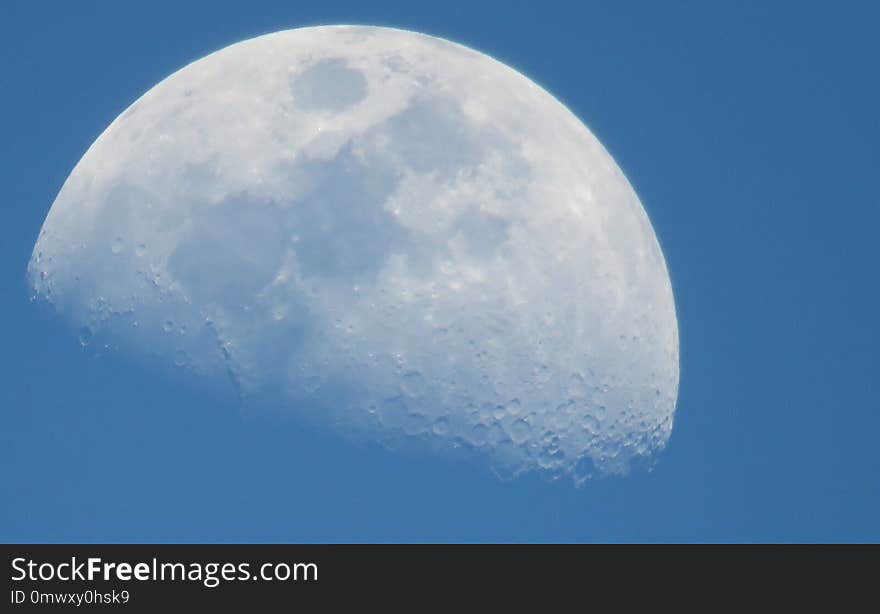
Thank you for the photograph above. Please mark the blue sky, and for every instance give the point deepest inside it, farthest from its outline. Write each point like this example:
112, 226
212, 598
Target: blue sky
750, 132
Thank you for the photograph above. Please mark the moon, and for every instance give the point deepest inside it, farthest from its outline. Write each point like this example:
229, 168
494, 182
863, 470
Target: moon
383, 232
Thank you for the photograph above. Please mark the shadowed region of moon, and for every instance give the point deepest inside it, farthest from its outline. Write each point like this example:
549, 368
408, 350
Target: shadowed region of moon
383, 232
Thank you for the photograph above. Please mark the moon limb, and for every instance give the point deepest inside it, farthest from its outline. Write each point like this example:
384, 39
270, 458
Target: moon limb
384, 230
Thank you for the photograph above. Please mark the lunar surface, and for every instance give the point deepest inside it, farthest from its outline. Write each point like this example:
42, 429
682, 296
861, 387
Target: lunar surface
383, 232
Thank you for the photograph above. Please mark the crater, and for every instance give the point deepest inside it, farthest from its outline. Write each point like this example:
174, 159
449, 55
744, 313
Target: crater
329, 85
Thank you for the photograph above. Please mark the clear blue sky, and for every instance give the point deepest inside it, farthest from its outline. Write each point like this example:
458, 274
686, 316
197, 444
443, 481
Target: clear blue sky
749, 129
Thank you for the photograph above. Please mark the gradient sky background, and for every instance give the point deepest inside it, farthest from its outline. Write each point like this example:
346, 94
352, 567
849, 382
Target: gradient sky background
750, 131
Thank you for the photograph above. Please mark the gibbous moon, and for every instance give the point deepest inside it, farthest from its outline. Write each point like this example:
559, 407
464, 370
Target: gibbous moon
383, 232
